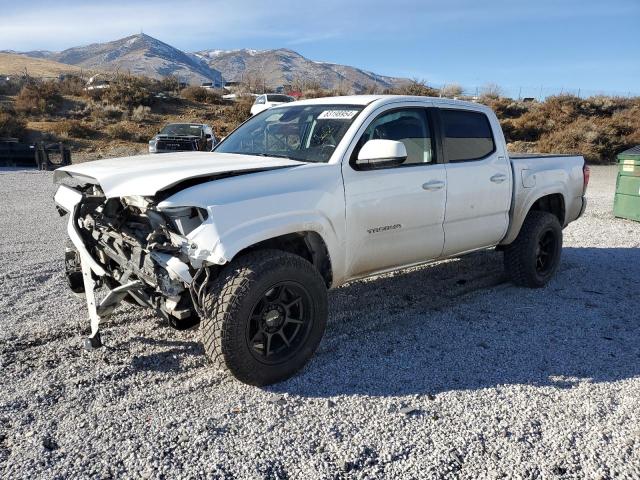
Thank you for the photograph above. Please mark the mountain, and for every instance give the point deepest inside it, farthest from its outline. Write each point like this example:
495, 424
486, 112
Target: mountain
283, 66
144, 55
137, 54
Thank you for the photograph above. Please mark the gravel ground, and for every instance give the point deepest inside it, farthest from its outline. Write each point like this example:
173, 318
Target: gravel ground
444, 371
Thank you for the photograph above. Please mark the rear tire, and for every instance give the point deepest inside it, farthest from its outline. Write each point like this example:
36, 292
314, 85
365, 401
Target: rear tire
264, 316
533, 258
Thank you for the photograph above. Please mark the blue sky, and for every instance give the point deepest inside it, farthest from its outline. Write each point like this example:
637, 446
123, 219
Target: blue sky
540, 44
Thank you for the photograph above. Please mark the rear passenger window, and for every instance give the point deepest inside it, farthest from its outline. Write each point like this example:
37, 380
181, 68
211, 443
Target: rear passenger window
467, 135
409, 126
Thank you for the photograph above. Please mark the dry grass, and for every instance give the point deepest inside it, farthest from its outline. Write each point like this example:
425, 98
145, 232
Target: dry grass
130, 132
11, 64
73, 129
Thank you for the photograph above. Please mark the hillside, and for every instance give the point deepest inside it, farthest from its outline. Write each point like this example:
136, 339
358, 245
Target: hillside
282, 67
15, 64
122, 118
139, 55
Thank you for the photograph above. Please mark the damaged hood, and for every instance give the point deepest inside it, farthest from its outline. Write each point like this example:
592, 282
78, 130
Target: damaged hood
146, 175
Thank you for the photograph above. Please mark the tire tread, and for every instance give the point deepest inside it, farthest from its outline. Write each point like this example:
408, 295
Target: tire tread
224, 300
516, 253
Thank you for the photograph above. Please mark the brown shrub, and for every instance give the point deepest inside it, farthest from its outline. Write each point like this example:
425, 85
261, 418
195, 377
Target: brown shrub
169, 84
126, 91
221, 128
599, 139
316, 93
140, 113
106, 113
73, 129
11, 125
415, 87
72, 85
506, 107
239, 111
39, 97
11, 86
528, 127
596, 127
201, 95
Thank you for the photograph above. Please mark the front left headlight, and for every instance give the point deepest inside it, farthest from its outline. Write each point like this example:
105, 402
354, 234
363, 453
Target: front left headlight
153, 145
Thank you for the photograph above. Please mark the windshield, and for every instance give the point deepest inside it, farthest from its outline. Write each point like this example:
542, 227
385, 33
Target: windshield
308, 133
182, 129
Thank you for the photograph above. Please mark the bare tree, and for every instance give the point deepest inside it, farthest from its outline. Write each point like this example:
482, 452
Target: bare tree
301, 84
255, 81
371, 89
451, 91
491, 90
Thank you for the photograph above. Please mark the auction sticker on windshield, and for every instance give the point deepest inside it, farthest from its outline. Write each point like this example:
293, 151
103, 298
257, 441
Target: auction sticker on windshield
337, 114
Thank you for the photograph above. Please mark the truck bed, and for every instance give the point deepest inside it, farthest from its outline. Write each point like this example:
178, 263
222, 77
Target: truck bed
538, 174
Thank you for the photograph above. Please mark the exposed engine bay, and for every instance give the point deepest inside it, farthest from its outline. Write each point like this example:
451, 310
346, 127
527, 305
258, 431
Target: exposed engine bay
142, 251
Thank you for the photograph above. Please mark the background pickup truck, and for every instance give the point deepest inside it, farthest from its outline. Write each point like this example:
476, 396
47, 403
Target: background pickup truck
176, 137
301, 198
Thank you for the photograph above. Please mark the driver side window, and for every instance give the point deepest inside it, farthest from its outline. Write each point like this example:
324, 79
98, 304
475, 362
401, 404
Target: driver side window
409, 126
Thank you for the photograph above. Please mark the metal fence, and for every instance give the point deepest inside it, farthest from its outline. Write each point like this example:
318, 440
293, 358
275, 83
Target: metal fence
539, 93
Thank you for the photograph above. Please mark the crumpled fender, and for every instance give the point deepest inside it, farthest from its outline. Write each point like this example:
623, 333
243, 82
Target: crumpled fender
209, 244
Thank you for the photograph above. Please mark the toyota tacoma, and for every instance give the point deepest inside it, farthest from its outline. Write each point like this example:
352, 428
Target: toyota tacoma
301, 198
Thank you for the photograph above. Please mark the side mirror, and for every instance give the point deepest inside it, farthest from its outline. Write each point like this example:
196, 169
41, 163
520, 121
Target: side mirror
207, 136
381, 154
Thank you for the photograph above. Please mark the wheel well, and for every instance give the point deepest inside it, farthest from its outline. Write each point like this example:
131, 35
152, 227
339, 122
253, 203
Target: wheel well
553, 203
308, 245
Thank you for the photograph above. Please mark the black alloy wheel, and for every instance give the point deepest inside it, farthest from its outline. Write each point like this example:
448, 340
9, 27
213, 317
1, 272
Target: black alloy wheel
280, 322
546, 252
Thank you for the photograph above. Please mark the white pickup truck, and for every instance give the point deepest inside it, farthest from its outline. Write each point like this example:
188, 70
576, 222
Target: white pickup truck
303, 197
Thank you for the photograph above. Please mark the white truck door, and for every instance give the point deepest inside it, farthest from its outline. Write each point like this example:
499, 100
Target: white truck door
395, 215
478, 181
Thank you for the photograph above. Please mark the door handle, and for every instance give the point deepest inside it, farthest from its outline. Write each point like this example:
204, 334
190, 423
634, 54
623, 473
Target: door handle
433, 185
498, 178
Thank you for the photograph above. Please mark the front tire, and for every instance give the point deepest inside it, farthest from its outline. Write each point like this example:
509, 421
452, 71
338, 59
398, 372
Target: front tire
533, 258
73, 269
264, 316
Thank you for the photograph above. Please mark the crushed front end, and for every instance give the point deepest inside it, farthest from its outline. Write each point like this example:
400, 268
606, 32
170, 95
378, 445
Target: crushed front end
133, 249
